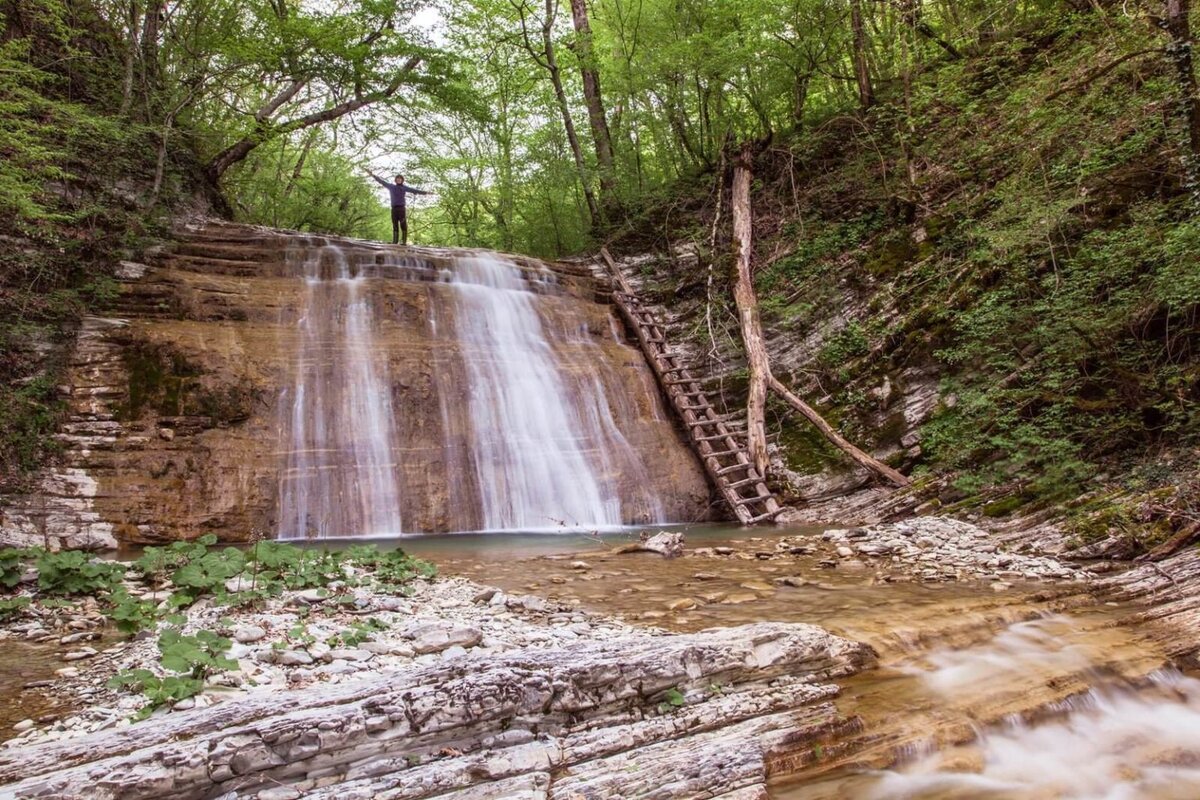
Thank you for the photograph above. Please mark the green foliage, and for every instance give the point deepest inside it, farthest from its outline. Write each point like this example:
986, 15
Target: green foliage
131, 614
307, 189
392, 568
192, 658
74, 572
672, 699
63, 219
159, 691
12, 566
848, 343
12, 607
358, 633
198, 655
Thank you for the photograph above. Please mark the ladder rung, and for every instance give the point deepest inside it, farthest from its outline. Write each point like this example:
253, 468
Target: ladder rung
734, 468
682, 381
714, 437
742, 482
720, 453
712, 421
763, 517
758, 498
703, 407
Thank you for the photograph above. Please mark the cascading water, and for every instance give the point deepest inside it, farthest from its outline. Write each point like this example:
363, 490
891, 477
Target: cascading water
488, 404
340, 474
535, 456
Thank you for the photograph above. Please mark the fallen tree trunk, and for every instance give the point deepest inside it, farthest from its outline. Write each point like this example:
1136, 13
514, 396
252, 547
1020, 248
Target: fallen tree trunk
839, 441
668, 544
761, 376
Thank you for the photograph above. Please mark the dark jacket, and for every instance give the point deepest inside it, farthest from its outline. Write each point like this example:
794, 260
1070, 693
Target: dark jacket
398, 191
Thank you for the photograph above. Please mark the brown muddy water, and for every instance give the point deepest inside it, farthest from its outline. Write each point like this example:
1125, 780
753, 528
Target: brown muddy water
1031, 692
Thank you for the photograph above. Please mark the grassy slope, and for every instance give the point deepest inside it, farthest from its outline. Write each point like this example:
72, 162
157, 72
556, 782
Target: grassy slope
1034, 250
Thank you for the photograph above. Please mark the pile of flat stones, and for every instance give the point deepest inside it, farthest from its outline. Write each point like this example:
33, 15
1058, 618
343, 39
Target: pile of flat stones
943, 549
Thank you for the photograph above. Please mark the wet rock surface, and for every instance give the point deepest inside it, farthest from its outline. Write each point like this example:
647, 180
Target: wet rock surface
516, 693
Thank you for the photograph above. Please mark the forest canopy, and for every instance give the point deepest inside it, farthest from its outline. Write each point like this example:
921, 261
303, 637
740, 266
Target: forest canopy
1004, 189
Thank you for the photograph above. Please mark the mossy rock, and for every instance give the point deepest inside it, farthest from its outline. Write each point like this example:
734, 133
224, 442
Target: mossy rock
1004, 506
890, 255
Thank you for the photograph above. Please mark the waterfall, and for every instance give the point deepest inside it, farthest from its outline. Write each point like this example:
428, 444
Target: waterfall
531, 446
339, 477
489, 398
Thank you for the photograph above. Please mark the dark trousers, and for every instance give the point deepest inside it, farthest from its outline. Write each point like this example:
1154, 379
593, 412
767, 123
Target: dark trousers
399, 224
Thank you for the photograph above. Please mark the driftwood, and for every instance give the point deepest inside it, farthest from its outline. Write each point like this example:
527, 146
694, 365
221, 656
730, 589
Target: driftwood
667, 544
756, 351
1181, 539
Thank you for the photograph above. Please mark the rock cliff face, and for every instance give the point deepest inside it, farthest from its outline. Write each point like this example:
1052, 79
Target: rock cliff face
184, 409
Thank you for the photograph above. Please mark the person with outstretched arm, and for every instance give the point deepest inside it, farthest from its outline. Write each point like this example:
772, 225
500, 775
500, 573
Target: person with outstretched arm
398, 190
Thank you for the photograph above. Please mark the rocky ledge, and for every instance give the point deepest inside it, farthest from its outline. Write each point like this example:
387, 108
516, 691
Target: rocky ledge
458, 691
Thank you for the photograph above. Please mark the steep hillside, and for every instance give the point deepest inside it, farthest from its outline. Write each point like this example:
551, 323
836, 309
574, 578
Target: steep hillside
80, 189
989, 278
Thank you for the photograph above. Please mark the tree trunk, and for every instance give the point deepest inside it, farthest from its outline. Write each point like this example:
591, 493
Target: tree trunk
747, 305
150, 50
131, 48
565, 108
1179, 51
862, 72
761, 377
595, 101
910, 12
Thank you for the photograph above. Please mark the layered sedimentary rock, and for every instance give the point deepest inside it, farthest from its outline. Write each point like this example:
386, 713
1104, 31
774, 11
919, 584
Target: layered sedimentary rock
256, 382
703, 715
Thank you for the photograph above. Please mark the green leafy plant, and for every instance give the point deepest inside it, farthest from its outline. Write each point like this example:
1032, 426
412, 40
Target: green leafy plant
12, 566
159, 691
192, 658
198, 655
12, 607
672, 698
74, 572
359, 632
131, 614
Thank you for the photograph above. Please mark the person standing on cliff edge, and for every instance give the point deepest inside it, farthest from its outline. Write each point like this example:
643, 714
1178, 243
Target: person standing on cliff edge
398, 190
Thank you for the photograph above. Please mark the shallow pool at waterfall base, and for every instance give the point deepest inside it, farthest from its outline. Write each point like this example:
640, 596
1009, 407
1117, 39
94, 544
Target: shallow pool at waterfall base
505, 545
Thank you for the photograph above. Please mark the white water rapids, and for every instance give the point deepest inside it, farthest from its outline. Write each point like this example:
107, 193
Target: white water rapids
1117, 741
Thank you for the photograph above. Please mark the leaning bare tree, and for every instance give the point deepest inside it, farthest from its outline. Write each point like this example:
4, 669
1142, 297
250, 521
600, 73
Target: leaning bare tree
761, 377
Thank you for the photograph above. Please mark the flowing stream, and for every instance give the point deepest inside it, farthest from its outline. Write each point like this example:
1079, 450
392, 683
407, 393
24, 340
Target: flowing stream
978, 694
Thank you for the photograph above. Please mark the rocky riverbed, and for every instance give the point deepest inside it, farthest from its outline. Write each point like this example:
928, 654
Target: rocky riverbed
446, 688
303, 639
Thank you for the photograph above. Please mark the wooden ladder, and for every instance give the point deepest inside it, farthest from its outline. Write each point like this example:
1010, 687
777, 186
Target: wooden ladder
723, 455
